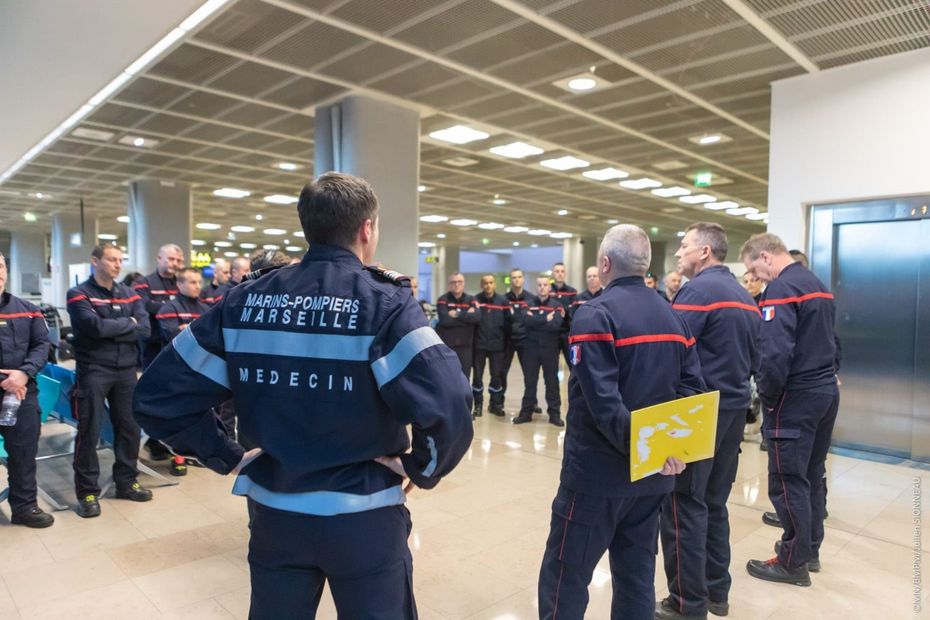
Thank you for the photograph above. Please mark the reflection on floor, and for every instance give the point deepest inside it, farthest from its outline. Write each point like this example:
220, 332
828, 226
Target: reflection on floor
477, 542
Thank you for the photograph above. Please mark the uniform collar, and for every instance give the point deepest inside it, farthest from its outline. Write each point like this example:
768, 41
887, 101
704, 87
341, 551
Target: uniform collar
321, 252
93, 281
626, 281
720, 268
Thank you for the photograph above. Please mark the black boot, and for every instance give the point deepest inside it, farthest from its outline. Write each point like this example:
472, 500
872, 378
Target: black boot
523, 418
157, 451
555, 419
476, 410
771, 518
666, 611
34, 517
774, 570
813, 565
496, 406
718, 608
537, 409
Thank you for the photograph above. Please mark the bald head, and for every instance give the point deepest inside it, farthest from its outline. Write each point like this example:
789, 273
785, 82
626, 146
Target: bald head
238, 269
625, 251
169, 261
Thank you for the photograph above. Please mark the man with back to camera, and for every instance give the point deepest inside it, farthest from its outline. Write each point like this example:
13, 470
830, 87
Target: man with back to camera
592, 289
489, 346
672, 283
694, 523
174, 317
24, 348
800, 399
543, 324
109, 321
220, 278
520, 300
328, 362
566, 295
629, 350
458, 316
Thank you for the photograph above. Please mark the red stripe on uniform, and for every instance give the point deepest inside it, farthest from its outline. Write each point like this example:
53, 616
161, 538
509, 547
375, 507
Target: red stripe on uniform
76, 298
623, 342
21, 315
795, 300
166, 292
103, 302
489, 306
591, 338
177, 315
717, 306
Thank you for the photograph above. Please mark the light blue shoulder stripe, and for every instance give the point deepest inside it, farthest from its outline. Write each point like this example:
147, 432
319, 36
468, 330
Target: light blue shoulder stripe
341, 347
388, 367
199, 359
319, 503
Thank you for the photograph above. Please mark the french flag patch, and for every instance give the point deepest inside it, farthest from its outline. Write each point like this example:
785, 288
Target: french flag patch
768, 313
575, 355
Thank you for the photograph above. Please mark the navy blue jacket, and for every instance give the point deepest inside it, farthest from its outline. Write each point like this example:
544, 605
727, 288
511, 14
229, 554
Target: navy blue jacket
797, 344
494, 322
212, 294
155, 291
540, 331
458, 331
629, 350
582, 298
177, 314
105, 333
725, 321
566, 295
23, 337
518, 309
327, 362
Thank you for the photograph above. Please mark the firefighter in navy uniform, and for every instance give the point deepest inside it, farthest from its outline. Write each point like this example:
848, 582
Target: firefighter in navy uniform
629, 350
208, 294
24, 349
109, 322
458, 316
800, 398
695, 527
489, 346
159, 287
328, 362
175, 316
592, 289
520, 300
566, 295
543, 326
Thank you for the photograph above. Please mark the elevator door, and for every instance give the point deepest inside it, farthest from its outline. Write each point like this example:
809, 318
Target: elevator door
876, 280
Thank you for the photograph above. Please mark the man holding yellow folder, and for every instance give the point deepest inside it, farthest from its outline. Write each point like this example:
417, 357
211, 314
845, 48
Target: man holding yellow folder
628, 350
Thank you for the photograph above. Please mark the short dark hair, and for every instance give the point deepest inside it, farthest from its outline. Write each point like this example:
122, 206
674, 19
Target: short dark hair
333, 207
558, 264
98, 250
799, 257
713, 235
188, 270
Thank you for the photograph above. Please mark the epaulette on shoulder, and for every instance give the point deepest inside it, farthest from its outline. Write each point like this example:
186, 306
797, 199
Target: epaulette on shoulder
255, 275
388, 275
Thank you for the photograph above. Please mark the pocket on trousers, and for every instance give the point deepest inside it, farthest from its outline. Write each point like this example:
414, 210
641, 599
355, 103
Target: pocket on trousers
575, 533
784, 450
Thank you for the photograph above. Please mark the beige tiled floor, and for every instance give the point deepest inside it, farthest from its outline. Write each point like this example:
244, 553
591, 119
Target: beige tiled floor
477, 543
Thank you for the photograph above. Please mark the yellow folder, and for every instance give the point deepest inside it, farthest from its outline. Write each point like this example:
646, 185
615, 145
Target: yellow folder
685, 428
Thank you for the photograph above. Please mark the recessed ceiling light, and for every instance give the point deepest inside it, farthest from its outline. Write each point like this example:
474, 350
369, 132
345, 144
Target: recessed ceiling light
672, 164
490, 226
294, 248
222, 244
756, 216
517, 150
242, 229
271, 246
539, 232
441, 236
275, 231
497, 200
458, 134
724, 204
567, 162
298, 233
138, 141
107, 237
515, 229
606, 174
561, 235
426, 244
612, 222
287, 241
680, 233
710, 138
697, 199
562, 212
29, 216
42, 196
280, 199
535, 245
463, 222
248, 246
516, 243
93, 134
742, 211
208, 226
286, 165
231, 192
259, 217
422, 188
581, 83
433, 219
230, 254
640, 183
123, 218
671, 192
460, 162
198, 242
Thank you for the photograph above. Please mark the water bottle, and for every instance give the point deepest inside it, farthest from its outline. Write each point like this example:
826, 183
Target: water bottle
9, 409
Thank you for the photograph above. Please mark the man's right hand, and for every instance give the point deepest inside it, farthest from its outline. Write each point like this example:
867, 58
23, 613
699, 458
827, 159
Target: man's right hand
453, 313
672, 467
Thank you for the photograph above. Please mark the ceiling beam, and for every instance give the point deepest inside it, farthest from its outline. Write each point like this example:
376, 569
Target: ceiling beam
778, 39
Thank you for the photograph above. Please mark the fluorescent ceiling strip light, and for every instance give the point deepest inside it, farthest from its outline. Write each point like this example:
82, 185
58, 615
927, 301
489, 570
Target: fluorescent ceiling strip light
490, 226
567, 162
755, 217
742, 211
110, 88
517, 150
671, 192
459, 134
642, 183
280, 199
561, 235
539, 232
433, 219
231, 192
463, 222
697, 199
515, 229
718, 206
606, 174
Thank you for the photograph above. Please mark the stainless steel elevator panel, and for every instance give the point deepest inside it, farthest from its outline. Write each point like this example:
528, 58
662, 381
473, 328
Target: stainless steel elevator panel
920, 434
875, 275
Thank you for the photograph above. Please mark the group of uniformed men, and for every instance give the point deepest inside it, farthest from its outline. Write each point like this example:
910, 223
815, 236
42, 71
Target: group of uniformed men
329, 361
